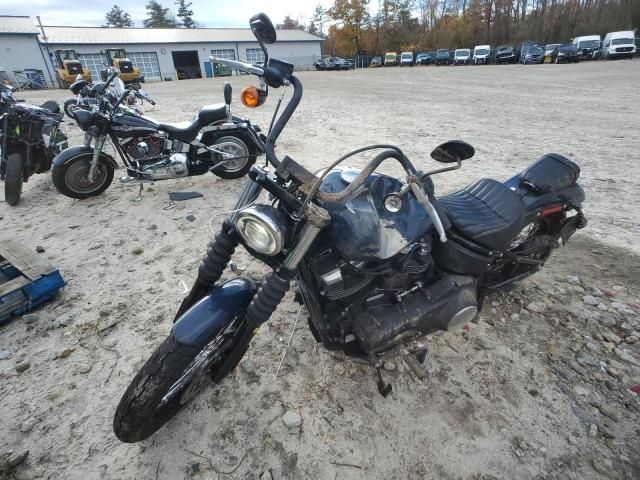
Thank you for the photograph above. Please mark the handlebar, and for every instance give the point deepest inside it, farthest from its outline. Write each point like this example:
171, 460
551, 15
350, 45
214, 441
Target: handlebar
246, 67
109, 80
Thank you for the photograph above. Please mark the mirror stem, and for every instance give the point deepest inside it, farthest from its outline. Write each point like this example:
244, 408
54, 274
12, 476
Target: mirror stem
442, 170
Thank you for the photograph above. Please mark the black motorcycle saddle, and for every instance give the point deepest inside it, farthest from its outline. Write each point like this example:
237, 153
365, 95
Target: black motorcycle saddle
487, 212
186, 132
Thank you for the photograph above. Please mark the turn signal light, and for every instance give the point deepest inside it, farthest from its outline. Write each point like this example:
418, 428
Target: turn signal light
252, 97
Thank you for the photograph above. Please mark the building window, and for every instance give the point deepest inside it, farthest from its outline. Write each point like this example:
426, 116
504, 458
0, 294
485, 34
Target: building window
229, 54
255, 55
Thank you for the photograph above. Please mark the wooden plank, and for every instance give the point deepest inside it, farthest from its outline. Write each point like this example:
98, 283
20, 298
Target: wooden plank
29, 263
12, 285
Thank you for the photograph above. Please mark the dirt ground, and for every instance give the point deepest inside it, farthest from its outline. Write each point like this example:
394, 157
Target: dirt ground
539, 388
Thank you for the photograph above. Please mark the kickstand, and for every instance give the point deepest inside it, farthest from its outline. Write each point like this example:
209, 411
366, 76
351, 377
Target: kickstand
383, 388
139, 199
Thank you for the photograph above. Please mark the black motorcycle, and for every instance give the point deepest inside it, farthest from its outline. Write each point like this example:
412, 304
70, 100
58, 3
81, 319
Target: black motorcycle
87, 94
215, 141
30, 137
377, 261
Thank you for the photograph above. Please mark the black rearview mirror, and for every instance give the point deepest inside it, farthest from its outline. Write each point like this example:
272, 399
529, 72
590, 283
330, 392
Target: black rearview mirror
453, 151
263, 29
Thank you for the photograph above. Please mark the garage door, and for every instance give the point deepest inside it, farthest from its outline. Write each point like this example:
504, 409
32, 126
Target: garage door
94, 63
148, 64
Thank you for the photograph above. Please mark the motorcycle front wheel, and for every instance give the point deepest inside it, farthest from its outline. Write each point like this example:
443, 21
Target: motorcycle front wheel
70, 106
236, 147
13, 179
172, 377
72, 178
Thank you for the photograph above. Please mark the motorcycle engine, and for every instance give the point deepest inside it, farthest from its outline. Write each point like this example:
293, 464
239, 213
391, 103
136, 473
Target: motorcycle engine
155, 158
378, 306
144, 148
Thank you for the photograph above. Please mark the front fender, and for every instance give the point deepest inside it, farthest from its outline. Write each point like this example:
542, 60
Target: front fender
206, 318
69, 154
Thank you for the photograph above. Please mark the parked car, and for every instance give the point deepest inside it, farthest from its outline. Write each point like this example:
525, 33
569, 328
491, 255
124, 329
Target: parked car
423, 59
443, 57
406, 59
532, 55
390, 59
481, 54
548, 49
565, 53
524, 47
588, 46
619, 45
375, 62
505, 54
348, 64
462, 56
333, 63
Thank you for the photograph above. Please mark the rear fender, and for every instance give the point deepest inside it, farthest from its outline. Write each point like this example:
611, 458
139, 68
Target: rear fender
536, 203
71, 153
198, 325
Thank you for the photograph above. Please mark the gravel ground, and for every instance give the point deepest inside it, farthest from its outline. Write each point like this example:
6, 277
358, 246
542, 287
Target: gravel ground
539, 388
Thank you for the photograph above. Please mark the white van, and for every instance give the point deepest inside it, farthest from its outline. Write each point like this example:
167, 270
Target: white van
406, 58
619, 45
588, 46
462, 56
481, 54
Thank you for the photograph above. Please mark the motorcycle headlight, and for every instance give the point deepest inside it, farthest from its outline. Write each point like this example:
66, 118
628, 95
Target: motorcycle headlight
262, 228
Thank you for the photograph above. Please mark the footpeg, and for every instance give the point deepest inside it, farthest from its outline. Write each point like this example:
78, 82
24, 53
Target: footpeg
383, 388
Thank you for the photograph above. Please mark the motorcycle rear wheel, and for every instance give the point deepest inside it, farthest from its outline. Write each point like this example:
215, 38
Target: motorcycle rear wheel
237, 147
13, 179
142, 411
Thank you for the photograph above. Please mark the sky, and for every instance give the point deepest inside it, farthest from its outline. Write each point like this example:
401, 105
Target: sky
208, 13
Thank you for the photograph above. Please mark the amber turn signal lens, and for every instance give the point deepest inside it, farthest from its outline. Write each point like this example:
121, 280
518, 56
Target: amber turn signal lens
252, 97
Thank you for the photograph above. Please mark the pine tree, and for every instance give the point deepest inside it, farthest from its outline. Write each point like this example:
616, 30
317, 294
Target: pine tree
116, 17
185, 14
159, 16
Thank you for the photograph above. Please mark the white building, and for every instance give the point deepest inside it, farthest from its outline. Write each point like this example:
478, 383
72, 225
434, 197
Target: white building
20, 51
159, 53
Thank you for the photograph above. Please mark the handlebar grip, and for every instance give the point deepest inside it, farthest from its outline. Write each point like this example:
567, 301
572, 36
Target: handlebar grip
227, 93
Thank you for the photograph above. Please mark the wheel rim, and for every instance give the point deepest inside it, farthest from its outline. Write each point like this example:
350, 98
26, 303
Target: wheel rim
76, 177
232, 147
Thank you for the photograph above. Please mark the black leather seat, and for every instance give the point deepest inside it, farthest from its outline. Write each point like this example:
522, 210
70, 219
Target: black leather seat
487, 212
187, 131
212, 113
51, 105
183, 131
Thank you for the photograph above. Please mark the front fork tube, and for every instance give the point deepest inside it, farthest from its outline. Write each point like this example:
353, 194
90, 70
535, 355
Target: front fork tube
96, 157
219, 251
276, 283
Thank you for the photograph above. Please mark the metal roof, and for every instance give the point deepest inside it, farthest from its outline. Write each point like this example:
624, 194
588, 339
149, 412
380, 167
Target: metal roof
104, 35
16, 25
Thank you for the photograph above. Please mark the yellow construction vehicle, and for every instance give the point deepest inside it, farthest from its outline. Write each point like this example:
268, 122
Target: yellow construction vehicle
69, 67
117, 58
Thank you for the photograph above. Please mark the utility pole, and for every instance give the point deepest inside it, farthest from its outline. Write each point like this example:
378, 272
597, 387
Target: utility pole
46, 46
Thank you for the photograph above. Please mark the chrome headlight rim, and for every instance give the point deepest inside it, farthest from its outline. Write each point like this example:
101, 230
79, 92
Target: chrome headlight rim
269, 220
